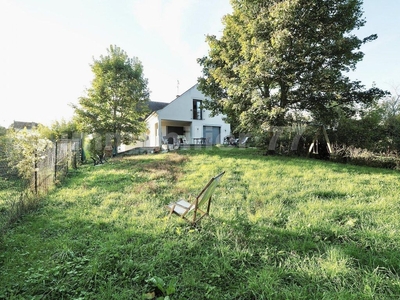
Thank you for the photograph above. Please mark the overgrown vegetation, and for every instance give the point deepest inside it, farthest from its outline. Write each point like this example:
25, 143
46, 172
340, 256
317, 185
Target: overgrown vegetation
30, 165
280, 228
28, 148
13, 202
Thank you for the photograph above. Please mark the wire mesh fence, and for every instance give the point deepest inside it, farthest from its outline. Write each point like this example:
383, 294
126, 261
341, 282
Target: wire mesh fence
52, 168
18, 195
58, 160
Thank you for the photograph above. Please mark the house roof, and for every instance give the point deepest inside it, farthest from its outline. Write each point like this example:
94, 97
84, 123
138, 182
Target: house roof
178, 96
22, 125
154, 106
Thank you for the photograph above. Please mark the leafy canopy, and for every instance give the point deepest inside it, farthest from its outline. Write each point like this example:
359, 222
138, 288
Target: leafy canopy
279, 57
60, 130
117, 101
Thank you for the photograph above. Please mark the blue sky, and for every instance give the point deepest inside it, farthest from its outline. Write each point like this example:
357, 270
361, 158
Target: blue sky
48, 45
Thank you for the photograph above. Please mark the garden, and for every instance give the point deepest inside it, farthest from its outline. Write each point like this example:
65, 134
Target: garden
279, 228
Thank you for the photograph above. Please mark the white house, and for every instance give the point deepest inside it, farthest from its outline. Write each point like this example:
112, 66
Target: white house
183, 121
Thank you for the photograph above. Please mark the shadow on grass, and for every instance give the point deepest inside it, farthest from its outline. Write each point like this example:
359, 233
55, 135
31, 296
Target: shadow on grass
223, 259
72, 249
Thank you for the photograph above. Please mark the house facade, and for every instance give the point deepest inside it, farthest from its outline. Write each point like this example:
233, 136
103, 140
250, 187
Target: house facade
183, 121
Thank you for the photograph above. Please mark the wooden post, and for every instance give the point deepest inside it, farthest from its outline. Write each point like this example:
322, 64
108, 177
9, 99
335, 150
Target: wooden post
327, 140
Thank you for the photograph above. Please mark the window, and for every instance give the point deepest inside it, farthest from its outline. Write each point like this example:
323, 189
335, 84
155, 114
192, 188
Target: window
197, 110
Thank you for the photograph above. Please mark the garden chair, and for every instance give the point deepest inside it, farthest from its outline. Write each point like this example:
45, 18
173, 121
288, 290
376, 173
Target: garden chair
183, 207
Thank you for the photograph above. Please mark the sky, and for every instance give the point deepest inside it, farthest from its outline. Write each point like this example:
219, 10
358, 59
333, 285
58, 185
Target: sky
47, 46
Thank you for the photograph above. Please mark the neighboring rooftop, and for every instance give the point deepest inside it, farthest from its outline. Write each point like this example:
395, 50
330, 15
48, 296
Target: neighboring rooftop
21, 125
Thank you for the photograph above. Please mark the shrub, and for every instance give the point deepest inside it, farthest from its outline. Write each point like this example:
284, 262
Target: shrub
363, 157
25, 150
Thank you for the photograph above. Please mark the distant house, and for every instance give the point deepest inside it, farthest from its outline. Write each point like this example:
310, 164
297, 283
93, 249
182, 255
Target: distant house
183, 121
17, 125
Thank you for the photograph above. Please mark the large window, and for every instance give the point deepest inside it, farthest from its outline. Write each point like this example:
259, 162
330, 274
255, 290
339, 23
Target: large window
197, 110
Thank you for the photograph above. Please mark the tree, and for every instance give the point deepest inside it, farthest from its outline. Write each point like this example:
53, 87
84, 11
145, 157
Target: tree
60, 130
25, 150
276, 58
391, 103
117, 101
366, 131
391, 108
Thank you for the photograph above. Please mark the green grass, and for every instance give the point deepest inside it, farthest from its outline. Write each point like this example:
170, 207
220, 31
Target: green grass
11, 206
280, 228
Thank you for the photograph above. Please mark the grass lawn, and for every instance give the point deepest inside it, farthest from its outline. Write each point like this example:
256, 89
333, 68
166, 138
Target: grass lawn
280, 228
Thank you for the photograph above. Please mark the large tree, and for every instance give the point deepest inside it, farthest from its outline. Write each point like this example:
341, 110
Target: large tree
117, 102
279, 57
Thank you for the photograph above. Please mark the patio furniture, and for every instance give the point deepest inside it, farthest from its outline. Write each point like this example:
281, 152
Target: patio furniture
200, 140
182, 207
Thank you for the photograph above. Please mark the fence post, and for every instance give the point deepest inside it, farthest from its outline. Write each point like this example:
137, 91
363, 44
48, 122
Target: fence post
69, 152
36, 174
55, 162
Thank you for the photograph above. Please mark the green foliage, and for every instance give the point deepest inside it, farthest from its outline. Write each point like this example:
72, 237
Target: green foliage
3, 146
375, 129
25, 149
391, 104
96, 144
60, 130
387, 162
3, 131
13, 203
117, 101
278, 57
280, 228
165, 289
364, 157
391, 133
365, 132
391, 121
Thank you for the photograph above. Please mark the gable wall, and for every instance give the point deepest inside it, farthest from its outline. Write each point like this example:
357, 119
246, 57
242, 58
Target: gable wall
181, 109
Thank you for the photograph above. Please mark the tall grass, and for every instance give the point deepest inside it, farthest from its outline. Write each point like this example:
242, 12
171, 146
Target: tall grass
15, 201
280, 228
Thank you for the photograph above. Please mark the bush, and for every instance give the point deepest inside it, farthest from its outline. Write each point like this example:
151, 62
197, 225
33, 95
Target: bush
25, 151
377, 161
363, 157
